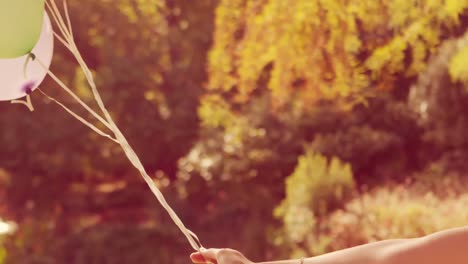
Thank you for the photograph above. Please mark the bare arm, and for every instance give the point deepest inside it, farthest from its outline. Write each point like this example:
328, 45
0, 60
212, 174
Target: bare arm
448, 246
364, 254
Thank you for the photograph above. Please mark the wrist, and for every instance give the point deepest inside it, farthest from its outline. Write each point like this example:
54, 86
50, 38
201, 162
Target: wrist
292, 261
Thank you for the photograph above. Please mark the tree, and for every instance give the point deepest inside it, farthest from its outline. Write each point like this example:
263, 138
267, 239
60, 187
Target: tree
315, 50
64, 180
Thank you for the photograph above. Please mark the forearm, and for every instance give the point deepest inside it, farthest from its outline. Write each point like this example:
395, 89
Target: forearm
368, 254
448, 246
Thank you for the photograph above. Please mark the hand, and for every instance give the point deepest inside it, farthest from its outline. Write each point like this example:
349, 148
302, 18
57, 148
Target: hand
219, 256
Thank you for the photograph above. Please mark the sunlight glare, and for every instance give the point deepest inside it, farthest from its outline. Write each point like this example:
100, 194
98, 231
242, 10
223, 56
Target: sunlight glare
6, 228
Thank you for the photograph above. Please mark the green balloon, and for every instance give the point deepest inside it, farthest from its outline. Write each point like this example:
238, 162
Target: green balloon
20, 26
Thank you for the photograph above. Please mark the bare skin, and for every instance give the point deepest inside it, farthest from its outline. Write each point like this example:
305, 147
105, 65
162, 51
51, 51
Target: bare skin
448, 246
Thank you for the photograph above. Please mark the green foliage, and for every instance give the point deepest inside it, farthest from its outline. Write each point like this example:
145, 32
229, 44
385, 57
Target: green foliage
315, 188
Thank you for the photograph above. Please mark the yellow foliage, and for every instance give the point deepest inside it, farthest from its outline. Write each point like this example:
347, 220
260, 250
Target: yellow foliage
458, 67
81, 85
315, 187
453, 8
215, 112
388, 212
399, 213
324, 49
3, 254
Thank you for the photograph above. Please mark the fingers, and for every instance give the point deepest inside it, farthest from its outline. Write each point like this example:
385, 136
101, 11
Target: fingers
197, 258
206, 256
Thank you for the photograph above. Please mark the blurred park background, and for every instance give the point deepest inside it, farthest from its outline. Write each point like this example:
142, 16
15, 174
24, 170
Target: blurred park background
281, 128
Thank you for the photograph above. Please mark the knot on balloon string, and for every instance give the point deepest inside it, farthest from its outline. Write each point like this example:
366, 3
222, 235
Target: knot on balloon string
28, 86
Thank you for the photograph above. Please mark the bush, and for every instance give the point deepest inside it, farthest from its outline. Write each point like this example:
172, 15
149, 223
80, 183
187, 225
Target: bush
316, 187
380, 140
397, 212
440, 97
424, 204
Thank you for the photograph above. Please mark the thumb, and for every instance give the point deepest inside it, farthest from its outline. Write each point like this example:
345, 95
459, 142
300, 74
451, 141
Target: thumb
206, 256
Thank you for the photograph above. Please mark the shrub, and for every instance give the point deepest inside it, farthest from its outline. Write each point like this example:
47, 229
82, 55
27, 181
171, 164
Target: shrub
397, 212
316, 187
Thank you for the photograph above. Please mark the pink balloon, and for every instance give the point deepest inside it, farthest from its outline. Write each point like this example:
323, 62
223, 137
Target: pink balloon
14, 83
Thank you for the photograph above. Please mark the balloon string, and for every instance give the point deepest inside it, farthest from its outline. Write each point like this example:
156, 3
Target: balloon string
78, 117
73, 95
67, 40
132, 156
26, 102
